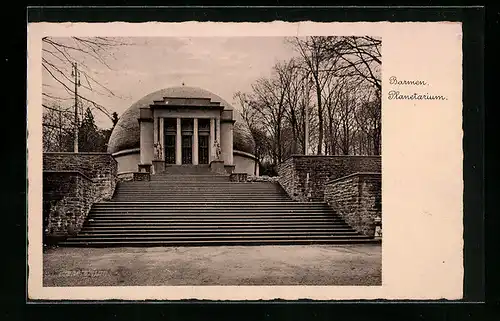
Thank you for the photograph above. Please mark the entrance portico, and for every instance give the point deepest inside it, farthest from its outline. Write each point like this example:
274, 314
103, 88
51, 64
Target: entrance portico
181, 131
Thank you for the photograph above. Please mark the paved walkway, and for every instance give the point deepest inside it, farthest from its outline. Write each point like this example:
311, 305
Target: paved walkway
225, 265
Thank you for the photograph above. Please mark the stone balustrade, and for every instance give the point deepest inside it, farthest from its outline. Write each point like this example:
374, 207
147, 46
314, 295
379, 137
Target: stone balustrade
357, 198
72, 182
238, 177
304, 177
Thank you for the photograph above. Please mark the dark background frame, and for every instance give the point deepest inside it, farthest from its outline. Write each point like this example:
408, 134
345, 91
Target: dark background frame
473, 19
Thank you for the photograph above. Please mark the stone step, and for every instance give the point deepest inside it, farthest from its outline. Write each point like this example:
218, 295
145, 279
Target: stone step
180, 181
202, 229
214, 211
236, 207
188, 198
198, 235
220, 183
201, 207
212, 222
204, 216
214, 189
201, 194
187, 172
202, 210
201, 197
197, 193
196, 188
199, 225
219, 242
181, 177
198, 208
207, 191
210, 203
187, 178
218, 237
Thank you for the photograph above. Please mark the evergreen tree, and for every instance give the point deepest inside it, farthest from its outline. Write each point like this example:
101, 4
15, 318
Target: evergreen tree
89, 137
114, 118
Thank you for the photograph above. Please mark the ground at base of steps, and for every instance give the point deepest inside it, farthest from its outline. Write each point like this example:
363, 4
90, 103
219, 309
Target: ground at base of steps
359, 264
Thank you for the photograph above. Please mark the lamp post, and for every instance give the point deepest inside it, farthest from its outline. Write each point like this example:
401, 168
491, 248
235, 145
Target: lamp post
75, 74
306, 119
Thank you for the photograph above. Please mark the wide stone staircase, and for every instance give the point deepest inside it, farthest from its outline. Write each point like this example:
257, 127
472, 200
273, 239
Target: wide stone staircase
193, 207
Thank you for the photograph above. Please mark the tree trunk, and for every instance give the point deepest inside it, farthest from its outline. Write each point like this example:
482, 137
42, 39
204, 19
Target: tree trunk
320, 118
294, 140
278, 141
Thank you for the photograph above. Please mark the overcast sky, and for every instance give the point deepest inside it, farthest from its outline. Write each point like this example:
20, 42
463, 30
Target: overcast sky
221, 65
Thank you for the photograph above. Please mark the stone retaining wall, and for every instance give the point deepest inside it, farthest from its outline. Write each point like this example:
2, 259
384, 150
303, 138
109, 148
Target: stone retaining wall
72, 182
358, 199
264, 178
304, 177
67, 198
101, 168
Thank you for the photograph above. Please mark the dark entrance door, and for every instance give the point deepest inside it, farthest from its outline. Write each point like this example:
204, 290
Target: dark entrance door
187, 149
170, 149
203, 149
170, 128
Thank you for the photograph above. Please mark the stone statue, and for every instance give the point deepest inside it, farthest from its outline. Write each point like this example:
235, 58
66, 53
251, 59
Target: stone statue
157, 150
217, 150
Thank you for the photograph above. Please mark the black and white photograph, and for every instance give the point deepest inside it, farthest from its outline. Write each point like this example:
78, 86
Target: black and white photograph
212, 161
241, 161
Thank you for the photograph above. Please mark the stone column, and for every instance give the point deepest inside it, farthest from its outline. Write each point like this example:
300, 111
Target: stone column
146, 142
217, 128
155, 134
230, 144
195, 141
178, 144
162, 139
227, 142
211, 140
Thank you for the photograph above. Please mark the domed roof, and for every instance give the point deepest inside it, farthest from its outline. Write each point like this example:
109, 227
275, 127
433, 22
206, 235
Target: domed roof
126, 134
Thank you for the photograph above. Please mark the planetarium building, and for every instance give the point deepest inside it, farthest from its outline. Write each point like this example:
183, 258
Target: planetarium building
182, 126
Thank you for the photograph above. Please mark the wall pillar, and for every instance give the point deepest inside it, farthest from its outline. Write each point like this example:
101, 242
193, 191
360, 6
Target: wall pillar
146, 142
226, 142
217, 129
195, 141
230, 144
162, 139
178, 144
155, 134
212, 141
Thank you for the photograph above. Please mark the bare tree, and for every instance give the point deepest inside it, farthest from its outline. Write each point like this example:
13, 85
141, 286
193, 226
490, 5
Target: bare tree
59, 55
346, 114
57, 126
254, 122
293, 80
321, 64
333, 95
324, 92
268, 101
362, 57
369, 122
70, 79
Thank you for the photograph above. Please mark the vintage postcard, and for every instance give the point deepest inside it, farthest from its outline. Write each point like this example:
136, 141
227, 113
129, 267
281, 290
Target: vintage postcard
245, 161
